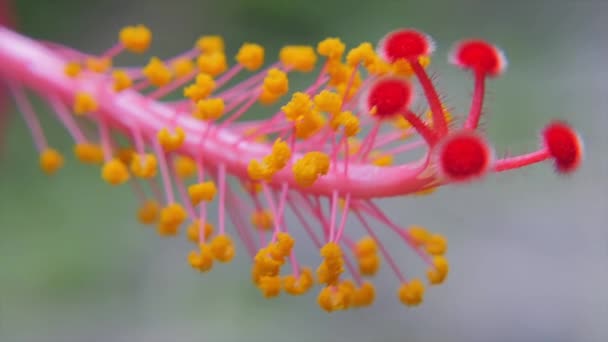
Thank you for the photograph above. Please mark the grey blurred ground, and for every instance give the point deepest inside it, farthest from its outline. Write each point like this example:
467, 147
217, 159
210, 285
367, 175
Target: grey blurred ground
528, 249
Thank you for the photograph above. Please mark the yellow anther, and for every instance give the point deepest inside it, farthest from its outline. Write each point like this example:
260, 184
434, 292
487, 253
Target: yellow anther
412, 293
402, 67
332, 266
250, 56
328, 101
381, 159
99, 65
202, 87
332, 48
84, 103
171, 217
222, 248
419, 235
194, 229
300, 58
136, 39
310, 167
262, 219
202, 259
299, 106
253, 187
283, 246
363, 54
122, 80
157, 72
276, 82
279, 155
50, 161
259, 171
268, 98
265, 264
114, 172
352, 89
209, 109
437, 273
378, 67
89, 153
182, 66
436, 244
366, 246
309, 125
298, 286
350, 122
364, 295
367, 258
210, 44
335, 298
213, 63
144, 166
149, 211
200, 192
338, 73
171, 142
185, 167
270, 286
369, 265
72, 69
125, 155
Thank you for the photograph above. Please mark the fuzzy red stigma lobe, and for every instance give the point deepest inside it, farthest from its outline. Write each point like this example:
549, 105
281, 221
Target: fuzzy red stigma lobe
406, 44
479, 56
389, 97
563, 145
464, 156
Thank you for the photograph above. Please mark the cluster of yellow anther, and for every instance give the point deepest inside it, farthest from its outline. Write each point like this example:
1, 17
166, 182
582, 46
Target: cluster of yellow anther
98, 64
250, 56
267, 266
275, 85
262, 220
298, 57
157, 72
171, 217
298, 285
50, 161
310, 167
222, 248
201, 88
149, 212
366, 252
332, 266
88, 153
210, 44
182, 66
436, 245
346, 295
412, 292
302, 112
272, 163
136, 39
193, 231
209, 109
171, 141
84, 103
122, 80
202, 192
202, 259
332, 48
115, 172
212, 63
144, 165
185, 167
72, 69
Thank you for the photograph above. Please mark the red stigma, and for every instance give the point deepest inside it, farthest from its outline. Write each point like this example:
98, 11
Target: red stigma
389, 97
564, 146
464, 156
406, 44
479, 56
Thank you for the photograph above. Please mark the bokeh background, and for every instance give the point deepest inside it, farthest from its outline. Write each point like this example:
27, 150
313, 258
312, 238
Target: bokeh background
528, 249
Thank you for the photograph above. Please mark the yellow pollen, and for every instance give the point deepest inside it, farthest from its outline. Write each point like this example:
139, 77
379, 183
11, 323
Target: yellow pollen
436, 244
98, 65
201, 260
213, 63
157, 72
193, 231
300, 58
84, 103
364, 295
182, 66
148, 213
72, 69
332, 48
144, 166
200, 192
328, 101
310, 167
276, 82
437, 273
171, 142
251, 56
222, 248
402, 67
185, 167
270, 286
122, 80
136, 39
171, 217
125, 155
412, 293
419, 235
262, 220
363, 54
380, 159
50, 161
202, 87
89, 153
114, 172
298, 107
298, 286
209, 109
210, 44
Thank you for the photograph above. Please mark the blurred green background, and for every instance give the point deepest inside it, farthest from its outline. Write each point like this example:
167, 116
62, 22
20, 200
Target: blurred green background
528, 249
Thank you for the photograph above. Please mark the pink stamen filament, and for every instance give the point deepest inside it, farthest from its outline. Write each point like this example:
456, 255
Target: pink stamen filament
162, 163
68, 121
222, 197
25, 108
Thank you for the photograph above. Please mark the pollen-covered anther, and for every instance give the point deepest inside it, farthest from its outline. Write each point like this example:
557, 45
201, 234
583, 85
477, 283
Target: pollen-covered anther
418, 235
171, 141
408, 44
171, 217
115, 172
328, 101
182, 66
210, 44
332, 48
250, 56
366, 252
136, 39
148, 212
298, 57
203, 86
50, 161
202, 192
279, 156
122, 80
348, 121
98, 64
222, 248
89, 153
270, 286
411, 293
144, 165
436, 244
300, 285
72, 69
310, 167
438, 271
201, 260
364, 295
563, 145
262, 220
332, 266
339, 297
479, 56
463, 156
185, 166
193, 231
213, 63
157, 72
209, 109
389, 97
363, 54
84, 103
